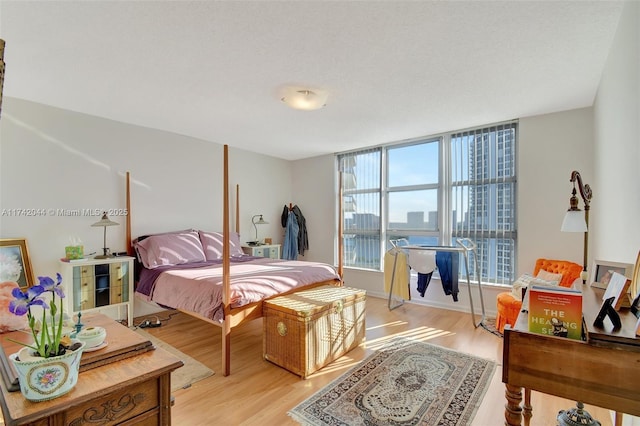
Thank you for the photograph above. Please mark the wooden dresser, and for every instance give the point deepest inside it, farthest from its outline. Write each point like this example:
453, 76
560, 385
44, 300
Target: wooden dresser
127, 382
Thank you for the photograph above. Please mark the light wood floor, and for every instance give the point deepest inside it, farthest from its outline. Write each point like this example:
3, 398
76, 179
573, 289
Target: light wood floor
260, 393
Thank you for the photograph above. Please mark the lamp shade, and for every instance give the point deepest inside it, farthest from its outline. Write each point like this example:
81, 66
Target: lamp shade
105, 221
574, 221
261, 221
304, 99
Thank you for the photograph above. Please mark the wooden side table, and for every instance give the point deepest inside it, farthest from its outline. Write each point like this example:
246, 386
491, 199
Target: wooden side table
127, 381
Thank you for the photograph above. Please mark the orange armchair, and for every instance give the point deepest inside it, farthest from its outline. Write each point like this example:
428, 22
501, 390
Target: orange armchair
509, 307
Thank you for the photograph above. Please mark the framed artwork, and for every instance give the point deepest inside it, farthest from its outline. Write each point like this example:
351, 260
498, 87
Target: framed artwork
602, 271
635, 292
15, 264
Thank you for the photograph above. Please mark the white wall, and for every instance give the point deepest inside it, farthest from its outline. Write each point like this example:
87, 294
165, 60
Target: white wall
615, 218
550, 147
57, 159
313, 183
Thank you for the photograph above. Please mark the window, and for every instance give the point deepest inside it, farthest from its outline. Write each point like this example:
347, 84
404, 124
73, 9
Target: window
483, 183
412, 192
361, 177
431, 191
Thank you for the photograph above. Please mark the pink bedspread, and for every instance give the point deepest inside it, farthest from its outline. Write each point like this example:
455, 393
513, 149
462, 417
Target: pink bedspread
200, 290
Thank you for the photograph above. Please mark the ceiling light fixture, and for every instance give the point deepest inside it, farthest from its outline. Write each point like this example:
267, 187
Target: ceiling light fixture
304, 99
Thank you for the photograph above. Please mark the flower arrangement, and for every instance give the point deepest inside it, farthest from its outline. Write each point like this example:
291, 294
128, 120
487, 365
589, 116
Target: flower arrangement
49, 340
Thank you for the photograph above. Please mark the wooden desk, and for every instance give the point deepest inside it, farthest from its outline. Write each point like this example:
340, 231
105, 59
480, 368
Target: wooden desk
127, 381
604, 370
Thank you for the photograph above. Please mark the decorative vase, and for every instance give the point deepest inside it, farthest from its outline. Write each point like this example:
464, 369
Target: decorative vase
42, 379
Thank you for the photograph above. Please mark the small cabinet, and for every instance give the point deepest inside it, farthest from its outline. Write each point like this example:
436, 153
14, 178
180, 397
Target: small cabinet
265, 250
92, 284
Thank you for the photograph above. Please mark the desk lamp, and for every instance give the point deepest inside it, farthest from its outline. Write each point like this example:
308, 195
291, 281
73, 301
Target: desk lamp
574, 220
255, 222
105, 221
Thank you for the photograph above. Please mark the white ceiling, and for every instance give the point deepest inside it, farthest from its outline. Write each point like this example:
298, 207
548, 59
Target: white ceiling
394, 70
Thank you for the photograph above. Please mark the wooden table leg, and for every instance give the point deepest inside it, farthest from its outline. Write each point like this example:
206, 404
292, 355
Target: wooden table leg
513, 410
618, 419
527, 411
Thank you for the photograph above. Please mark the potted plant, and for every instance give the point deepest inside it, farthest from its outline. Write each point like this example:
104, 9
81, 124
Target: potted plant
48, 367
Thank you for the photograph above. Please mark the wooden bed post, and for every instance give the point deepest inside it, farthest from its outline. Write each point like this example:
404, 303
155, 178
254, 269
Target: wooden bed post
238, 209
226, 324
128, 221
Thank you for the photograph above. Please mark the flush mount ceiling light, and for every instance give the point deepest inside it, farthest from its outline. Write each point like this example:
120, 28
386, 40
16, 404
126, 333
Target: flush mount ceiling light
304, 99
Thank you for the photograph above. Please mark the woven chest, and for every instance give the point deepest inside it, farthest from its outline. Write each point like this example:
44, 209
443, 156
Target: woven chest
307, 330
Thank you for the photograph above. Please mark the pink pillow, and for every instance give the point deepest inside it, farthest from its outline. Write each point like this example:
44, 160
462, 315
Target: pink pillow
9, 321
212, 244
170, 249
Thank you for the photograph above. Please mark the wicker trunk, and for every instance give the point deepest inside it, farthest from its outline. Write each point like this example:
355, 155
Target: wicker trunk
307, 330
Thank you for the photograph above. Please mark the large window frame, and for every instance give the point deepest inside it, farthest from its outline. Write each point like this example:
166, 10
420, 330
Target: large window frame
488, 187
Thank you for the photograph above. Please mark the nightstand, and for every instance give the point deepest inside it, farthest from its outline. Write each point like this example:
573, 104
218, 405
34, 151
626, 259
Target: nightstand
265, 250
92, 284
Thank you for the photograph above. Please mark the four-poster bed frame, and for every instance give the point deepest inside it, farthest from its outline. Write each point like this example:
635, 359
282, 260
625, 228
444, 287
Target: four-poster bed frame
233, 316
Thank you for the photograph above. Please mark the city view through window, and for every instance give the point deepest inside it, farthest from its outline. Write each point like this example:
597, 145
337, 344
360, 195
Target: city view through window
431, 192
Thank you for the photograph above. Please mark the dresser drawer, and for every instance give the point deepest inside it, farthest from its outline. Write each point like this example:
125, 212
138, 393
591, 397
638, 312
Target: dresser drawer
119, 406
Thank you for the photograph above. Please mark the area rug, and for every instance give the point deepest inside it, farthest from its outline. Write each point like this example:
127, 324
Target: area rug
183, 377
404, 383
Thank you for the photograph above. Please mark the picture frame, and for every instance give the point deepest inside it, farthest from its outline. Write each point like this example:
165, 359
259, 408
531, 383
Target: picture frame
15, 263
635, 280
602, 270
618, 288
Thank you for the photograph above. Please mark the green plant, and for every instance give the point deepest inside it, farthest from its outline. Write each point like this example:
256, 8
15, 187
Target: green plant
48, 338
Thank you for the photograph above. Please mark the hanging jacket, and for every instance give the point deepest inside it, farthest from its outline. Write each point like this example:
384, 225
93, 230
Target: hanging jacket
290, 248
303, 238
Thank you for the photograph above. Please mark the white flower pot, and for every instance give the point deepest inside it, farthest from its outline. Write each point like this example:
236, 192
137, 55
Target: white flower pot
42, 379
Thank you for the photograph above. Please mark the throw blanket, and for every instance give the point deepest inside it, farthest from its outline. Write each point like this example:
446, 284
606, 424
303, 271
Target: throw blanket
198, 289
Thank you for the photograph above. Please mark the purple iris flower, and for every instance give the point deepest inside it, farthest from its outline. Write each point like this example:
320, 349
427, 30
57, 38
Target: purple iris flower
22, 301
48, 285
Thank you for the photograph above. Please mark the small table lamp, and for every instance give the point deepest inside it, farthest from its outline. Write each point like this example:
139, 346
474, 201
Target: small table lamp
105, 221
255, 222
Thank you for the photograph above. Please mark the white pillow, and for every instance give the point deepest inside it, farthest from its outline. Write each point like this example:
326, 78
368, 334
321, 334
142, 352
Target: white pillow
549, 276
526, 281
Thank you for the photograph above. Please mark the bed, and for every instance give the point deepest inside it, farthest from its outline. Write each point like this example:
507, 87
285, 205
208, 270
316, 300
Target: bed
205, 274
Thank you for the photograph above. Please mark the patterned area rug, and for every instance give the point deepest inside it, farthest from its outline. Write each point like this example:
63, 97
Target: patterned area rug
405, 383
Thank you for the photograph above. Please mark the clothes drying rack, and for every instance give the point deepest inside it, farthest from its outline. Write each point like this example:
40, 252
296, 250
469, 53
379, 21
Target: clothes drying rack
464, 246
